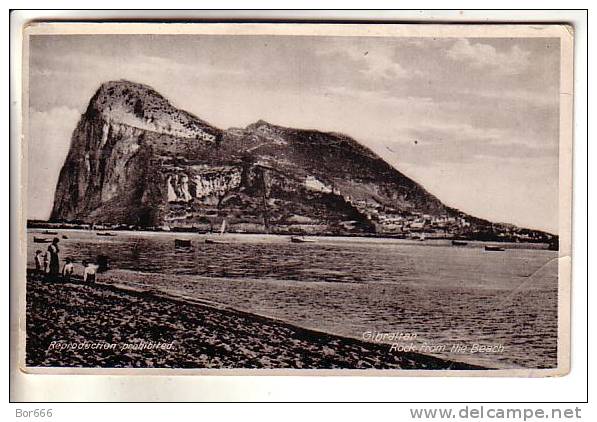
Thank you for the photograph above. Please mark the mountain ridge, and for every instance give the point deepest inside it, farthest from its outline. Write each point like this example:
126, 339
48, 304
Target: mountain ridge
137, 160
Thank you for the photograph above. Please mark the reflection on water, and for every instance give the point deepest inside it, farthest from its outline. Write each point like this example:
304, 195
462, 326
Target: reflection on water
444, 294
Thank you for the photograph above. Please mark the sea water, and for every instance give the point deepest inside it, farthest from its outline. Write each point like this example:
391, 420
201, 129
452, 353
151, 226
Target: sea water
497, 309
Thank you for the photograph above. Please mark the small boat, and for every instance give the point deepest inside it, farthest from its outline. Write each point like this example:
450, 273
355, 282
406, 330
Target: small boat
301, 239
106, 234
49, 232
494, 248
40, 240
64, 236
182, 243
459, 243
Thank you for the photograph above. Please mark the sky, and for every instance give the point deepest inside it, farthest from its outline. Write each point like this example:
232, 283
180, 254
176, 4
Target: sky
474, 120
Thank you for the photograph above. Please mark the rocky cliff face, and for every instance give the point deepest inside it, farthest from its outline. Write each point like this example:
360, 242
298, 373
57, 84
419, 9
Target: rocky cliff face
113, 171
135, 159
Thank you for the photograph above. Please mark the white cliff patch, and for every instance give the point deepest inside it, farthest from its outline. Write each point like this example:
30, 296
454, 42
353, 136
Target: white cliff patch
178, 188
184, 188
171, 193
312, 183
210, 183
87, 163
164, 125
105, 132
216, 182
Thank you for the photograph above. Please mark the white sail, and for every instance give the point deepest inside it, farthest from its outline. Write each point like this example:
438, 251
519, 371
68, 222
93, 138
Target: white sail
223, 229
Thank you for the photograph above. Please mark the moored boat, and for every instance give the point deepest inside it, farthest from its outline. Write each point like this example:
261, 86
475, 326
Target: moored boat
494, 248
182, 243
105, 234
301, 239
459, 243
40, 240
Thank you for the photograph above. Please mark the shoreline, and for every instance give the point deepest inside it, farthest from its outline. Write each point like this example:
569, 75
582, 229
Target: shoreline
202, 335
430, 241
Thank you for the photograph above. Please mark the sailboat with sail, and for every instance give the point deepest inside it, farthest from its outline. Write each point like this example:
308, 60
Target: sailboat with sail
222, 231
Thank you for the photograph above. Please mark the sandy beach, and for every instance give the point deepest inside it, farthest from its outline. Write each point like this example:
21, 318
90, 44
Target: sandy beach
71, 324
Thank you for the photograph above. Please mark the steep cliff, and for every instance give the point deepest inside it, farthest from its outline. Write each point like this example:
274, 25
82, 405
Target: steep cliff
135, 159
114, 169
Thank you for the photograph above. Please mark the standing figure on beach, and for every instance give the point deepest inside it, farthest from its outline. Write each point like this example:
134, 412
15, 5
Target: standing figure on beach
68, 269
39, 259
53, 250
89, 273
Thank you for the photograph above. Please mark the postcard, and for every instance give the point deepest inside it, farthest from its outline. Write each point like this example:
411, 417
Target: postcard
307, 199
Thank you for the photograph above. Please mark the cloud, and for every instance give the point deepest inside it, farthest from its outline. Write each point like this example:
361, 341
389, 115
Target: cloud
378, 61
362, 65
441, 143
485, 56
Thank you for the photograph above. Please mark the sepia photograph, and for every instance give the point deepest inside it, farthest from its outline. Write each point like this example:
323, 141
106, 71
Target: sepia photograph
296, 199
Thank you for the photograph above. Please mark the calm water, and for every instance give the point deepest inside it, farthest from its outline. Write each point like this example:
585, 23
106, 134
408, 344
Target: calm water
445, 295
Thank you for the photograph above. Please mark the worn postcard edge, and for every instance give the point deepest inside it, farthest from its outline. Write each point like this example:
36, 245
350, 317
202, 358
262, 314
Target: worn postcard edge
563, 32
